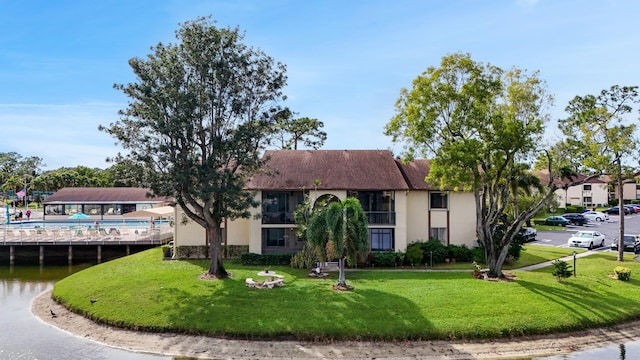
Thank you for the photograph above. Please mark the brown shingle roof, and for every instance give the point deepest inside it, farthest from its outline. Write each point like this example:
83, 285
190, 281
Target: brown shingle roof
335, 169
98, 195
415, 172
543, 175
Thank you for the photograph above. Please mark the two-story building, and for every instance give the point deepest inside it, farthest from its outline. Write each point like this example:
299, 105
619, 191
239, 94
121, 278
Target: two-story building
593, 192
401, 207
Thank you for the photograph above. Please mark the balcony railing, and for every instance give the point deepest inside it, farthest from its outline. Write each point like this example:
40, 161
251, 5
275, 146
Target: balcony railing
381, 217
374, 218
278, 217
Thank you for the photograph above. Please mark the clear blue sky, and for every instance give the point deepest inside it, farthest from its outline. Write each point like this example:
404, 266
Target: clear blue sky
347, 60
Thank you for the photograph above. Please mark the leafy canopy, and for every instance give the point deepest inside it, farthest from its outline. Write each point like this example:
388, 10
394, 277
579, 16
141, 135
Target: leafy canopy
201, 112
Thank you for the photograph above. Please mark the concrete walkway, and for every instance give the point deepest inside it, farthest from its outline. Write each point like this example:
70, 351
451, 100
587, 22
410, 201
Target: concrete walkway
548, 263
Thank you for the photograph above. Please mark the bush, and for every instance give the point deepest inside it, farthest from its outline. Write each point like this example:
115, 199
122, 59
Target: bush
561, 269
414, 255
434, 250
265, 259
305, 258
622, 273
478, 255
386, 258
460, 252
574, 209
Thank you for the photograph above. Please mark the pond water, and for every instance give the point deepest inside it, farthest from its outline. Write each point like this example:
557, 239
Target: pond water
626, 351
24, 336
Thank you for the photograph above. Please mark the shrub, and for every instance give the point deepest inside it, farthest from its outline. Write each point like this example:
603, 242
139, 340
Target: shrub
560, 269
622, 273
305, 258
434, 250
574, 209
414, 254
460, 252
234, 251
386, 258
265, 259
192, 252
478, 255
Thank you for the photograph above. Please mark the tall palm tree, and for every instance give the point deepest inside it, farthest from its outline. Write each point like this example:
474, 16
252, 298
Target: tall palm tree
345, 225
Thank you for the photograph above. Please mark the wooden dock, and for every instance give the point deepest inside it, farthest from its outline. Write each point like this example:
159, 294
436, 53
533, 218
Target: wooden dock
28, 244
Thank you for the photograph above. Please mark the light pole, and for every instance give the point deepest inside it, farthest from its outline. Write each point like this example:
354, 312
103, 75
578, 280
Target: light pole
574, 263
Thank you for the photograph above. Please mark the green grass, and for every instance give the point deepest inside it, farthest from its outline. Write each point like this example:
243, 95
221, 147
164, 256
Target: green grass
530, 255
143, 292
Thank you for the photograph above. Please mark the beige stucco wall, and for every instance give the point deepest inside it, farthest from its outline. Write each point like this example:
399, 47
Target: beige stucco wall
462, 219
403, 215
459, 218
192, 234
189, 233
598, 193
573, 195
255, 226
629, 191
417, 206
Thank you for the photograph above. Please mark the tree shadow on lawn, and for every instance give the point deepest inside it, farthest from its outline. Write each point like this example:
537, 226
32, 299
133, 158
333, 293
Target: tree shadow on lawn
581, 301
311, 312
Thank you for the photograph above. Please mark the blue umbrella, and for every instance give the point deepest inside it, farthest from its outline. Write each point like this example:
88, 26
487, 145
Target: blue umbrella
78, 216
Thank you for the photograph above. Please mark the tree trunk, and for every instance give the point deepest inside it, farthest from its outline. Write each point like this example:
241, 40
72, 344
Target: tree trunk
495, 259
341, 278
213, 239
621, 213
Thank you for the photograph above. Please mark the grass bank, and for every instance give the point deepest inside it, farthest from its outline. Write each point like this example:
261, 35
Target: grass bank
143, 292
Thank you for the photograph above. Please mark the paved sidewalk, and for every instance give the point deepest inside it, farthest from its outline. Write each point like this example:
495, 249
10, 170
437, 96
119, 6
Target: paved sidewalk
548, 263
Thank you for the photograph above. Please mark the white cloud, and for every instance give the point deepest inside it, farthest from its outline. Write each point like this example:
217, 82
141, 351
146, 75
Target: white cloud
62, 135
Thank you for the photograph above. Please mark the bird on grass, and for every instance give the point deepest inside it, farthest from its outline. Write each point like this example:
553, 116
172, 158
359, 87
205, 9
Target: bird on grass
52, 313
93, 300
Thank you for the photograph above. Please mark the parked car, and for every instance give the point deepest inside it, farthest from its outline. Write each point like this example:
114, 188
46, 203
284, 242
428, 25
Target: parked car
635, 206
556, 221
529, 233
615, 211
631, 243
632, 209
596, 216
575, 219
587, 239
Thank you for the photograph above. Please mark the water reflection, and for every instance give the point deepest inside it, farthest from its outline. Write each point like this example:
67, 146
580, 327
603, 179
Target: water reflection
27, 337
613, 352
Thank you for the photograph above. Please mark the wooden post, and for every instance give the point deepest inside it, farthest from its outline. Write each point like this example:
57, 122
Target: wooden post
12, 254
99, 254
128, 250
41, 257
70, 255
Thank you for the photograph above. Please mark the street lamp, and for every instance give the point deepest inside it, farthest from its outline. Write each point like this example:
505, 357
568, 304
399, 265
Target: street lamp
574, 263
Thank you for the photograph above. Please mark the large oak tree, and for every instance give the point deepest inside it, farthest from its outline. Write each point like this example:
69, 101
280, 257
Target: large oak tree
480, 124
200, 113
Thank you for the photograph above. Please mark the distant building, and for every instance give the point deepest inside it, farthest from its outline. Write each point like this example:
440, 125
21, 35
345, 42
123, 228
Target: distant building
99, 202
593, 192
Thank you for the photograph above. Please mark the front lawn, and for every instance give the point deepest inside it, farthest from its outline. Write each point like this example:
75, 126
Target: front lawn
142, 291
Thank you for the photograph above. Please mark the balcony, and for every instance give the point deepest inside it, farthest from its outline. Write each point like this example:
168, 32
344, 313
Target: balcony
381, 217
278, 217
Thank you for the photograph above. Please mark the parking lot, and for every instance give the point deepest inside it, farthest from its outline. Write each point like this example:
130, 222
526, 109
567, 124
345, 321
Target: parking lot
609, 229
